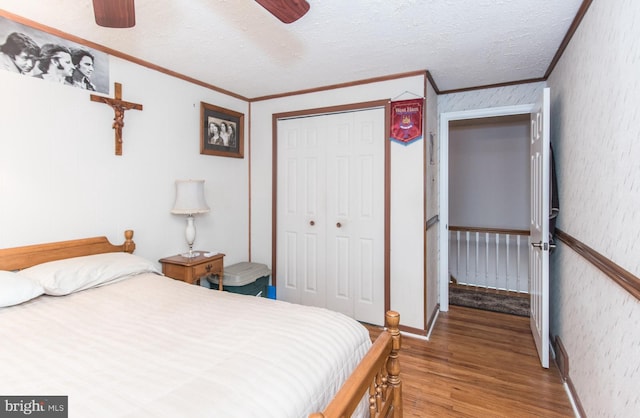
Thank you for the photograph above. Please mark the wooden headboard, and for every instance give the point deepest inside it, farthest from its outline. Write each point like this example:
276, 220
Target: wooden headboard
19, 258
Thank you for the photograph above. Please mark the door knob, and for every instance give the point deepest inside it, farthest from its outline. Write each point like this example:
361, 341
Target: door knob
312, 223
339, 225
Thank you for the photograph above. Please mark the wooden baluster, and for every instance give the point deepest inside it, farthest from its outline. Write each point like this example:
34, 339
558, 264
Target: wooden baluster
372, 399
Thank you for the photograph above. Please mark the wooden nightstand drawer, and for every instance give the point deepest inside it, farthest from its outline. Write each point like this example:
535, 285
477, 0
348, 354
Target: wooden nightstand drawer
176, 272
191, 270
213, 267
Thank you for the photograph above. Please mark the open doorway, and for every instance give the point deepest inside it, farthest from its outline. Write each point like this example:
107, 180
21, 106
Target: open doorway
539, 246
489, 213
475, 243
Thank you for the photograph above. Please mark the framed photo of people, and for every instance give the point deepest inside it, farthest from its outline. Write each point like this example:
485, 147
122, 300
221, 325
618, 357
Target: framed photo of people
221, 131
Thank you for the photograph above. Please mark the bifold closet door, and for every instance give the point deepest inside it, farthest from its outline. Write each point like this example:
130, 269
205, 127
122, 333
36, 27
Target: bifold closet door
301, 211
330, 234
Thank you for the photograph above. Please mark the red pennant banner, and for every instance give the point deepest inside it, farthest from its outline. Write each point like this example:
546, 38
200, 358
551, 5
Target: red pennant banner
406, 120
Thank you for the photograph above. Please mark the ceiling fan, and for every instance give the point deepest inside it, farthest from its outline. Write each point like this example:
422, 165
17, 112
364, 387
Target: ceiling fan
121, 13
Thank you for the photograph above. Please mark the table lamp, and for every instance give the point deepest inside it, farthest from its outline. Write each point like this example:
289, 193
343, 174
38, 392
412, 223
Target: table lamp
190, 201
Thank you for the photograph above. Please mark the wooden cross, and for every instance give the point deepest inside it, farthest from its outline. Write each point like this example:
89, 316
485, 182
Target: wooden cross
119, 106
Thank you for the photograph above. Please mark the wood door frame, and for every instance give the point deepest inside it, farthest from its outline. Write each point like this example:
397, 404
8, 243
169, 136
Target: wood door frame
354, 107
443, 230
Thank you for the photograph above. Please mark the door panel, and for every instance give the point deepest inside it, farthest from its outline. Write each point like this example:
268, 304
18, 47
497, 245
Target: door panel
539, 227
355, 173
301, 170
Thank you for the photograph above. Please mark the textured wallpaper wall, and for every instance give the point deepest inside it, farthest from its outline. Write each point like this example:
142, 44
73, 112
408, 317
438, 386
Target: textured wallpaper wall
595, 108
495, 97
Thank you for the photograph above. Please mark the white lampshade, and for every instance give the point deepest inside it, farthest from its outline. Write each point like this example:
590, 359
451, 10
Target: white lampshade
189, 198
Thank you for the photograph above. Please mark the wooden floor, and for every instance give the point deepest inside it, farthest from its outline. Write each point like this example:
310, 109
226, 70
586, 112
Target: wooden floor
478, 364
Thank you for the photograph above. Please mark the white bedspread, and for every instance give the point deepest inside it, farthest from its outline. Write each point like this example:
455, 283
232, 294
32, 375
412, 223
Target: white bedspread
151, 346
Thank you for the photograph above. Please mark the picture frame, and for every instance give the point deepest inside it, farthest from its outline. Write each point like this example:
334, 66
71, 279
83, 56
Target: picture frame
221, 131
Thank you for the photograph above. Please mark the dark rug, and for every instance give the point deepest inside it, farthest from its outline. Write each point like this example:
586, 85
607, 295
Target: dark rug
488, 301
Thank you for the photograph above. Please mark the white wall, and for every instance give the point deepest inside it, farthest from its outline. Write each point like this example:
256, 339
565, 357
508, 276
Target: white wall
60, 179
407, 189
595, 106
489, 175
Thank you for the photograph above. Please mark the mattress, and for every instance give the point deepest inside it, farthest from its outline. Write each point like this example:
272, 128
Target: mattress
151, 346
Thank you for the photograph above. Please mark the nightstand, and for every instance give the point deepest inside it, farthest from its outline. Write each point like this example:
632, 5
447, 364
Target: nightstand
191, 270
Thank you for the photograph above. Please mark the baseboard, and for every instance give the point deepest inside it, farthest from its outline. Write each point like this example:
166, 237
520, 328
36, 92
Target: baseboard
562, 361
434, 315
422, 333
562, 358
432, 320
411, 330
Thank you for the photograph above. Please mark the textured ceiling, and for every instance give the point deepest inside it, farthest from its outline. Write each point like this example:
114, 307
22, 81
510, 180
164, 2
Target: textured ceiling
238, 46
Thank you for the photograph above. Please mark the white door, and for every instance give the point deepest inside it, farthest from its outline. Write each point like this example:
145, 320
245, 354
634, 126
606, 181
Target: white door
301, 238
330, 200
539, 228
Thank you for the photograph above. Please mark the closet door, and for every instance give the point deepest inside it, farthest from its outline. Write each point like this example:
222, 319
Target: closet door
301, 216
355, 215
330, 239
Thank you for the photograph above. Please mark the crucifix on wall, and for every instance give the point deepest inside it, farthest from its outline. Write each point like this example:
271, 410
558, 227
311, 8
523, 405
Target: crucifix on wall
119, 107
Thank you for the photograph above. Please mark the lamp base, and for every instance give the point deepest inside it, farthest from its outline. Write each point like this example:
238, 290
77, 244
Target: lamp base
190, 235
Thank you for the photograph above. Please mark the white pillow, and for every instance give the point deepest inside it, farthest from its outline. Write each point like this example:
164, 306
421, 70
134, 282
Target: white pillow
15, 289
70, 275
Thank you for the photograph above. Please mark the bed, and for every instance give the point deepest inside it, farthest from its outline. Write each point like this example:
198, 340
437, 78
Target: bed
91, 321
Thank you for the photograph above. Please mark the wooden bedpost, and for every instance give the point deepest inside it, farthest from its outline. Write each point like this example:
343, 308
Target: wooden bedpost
378, 374
392, 320
129, 246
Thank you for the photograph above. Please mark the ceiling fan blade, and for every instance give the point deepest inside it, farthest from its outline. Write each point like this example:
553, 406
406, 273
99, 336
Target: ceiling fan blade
287, 11
115, 13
